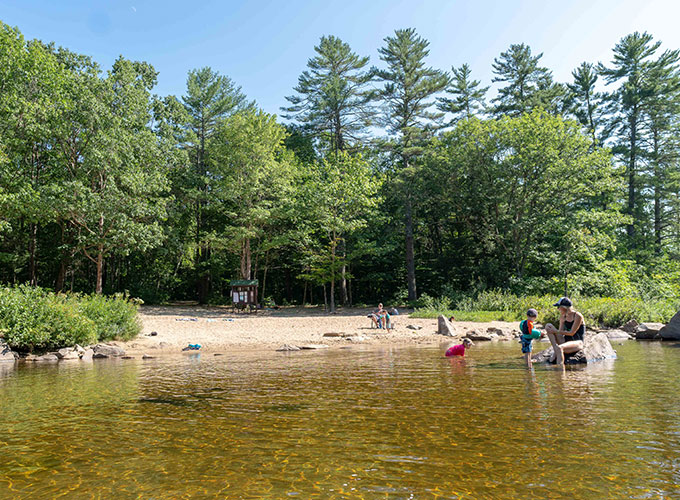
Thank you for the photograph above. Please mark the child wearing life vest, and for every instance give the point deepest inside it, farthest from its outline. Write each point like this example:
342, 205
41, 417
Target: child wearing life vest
528, 333
458, 350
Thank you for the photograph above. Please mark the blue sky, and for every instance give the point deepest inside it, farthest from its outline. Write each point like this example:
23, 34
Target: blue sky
264, 45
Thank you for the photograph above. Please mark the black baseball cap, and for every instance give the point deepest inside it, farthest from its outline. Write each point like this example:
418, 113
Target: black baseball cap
563, 302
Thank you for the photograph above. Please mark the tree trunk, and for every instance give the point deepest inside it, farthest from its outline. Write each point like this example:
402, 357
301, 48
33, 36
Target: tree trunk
325, 299
100, 270
304, 294
333, 250
410, 258
32, 248
245, 259
630, 229
658, 182
343, 272
264, 279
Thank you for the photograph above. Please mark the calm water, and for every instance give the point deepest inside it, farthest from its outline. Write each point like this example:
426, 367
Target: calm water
393, 423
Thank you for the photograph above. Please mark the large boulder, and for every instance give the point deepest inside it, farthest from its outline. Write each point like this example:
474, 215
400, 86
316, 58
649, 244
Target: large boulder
596, 347
68, 353
648, 331
106, 351
617, 334
479, 335
671, 331
444, 327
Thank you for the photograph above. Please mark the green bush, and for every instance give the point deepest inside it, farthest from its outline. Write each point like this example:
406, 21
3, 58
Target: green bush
32, 318
114, 317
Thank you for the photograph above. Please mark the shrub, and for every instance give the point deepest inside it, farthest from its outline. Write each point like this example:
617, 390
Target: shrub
32, 318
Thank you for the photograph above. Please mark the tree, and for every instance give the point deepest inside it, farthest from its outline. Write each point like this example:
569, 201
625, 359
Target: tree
337, 196
529, 85
468, 97
631, 70
210, 98
253, 180
587, 100
333, 101
408, 89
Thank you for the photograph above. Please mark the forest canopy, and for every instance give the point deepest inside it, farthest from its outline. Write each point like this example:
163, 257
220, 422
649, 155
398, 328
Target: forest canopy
379, 182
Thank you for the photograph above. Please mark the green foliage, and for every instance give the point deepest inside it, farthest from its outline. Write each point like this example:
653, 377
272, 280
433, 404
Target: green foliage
33, 318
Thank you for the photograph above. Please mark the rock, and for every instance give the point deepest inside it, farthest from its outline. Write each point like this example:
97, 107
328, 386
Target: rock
648, 331
596, 347
153, 334
146, 356
288, 347
106, 350
415, 327
630, 326
477, 335
99, 355
617, 334
68, 353
127, 357
6, 354
444, 327
45, 358
334, 334
218, 354
87, 355
314, 346
671, 331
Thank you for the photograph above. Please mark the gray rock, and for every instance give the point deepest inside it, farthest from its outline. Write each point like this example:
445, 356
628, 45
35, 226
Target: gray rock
68, 353
671, 331
99, 355
596, 347
414, 327
630, 326
87, 354
648, 331
288, 347
106, 350
477, 335
617, 335
444, 327
45, 358
6, 354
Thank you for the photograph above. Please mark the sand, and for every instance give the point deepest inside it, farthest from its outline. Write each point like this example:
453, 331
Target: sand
217, 329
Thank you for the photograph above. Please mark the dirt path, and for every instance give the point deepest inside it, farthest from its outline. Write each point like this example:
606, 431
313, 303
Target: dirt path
217, 329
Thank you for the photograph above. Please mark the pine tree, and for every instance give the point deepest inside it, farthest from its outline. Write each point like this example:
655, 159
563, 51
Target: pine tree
407, 94
333, 101
468, 97
587, 105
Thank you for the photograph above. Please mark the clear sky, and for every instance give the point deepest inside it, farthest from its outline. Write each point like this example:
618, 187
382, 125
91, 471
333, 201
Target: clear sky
264, 45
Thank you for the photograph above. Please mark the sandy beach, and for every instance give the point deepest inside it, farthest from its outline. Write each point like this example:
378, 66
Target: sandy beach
218, 329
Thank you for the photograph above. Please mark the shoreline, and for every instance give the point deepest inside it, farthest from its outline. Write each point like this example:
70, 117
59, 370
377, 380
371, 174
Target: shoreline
217, 329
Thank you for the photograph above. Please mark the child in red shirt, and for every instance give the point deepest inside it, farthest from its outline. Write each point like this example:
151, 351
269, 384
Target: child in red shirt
459, 350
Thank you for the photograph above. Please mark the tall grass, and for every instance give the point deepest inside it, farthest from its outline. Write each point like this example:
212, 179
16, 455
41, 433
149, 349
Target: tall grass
504, 306
33, 318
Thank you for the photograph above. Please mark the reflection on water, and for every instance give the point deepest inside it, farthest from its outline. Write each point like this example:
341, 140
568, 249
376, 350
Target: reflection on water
359, 423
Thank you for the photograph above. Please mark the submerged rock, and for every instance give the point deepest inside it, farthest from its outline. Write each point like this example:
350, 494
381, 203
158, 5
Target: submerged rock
596, 347
671, 331
444, 327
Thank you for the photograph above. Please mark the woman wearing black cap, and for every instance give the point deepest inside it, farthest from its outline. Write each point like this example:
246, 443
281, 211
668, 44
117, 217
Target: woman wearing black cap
568, 338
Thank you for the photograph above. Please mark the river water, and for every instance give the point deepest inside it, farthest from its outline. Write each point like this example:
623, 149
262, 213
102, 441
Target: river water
378, 422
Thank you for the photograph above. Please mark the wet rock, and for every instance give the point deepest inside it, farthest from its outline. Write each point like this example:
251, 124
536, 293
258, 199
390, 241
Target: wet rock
288, 347
648, 331
444, 327
314, 346
671, 331
147, 356
127, 357
106, 350
414, 327
479, 335
99, 355
630, 326
596, 347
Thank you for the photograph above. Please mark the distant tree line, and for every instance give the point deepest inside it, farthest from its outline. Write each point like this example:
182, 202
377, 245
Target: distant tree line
385, 182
